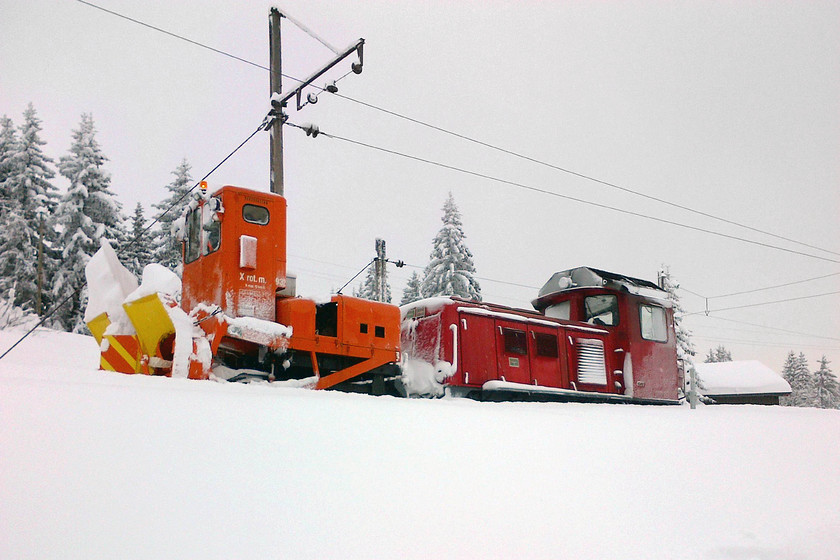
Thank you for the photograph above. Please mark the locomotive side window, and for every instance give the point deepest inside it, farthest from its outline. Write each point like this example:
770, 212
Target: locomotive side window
515, 341
601, 310
652, 319
193, 240
254, 214
546, 345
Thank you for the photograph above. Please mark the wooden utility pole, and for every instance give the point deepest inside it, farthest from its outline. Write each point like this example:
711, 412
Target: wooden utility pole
276, 183
39, 306
381, 282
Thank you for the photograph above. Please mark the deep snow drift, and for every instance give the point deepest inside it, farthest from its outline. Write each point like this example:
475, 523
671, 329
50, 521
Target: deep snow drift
105, 465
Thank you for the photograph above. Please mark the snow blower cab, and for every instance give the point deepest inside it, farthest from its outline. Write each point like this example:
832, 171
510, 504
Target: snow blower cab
235, 252
239, 310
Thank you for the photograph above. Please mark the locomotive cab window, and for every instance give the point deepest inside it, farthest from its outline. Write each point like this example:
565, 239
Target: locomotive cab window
601, 310
653, 323
254, 214
515, 341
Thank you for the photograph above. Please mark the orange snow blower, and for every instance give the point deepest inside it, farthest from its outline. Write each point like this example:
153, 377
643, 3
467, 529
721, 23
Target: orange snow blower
239, 318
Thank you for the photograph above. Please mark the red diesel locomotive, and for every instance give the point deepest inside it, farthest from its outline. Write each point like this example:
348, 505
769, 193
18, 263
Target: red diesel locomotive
595, 336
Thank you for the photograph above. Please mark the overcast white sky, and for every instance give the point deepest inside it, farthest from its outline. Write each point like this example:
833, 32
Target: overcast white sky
730, 108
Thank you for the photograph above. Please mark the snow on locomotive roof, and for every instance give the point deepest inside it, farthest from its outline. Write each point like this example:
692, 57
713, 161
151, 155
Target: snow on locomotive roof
747, 377
588, 277
432, 305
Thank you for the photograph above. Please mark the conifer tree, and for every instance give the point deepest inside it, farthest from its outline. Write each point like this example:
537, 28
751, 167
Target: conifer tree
30, 200
719, 354
796, 373
167, 246
371, 289
685, 346
139, 247
8, 146
88, 211
825, 386
451, 271
411, 293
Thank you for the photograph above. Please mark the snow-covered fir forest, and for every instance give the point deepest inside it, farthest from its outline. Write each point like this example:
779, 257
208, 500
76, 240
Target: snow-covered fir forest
50, 235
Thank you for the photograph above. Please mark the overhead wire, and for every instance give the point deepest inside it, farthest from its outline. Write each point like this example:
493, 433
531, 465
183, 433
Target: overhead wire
787, 331
559, 195
476, 141
762, 303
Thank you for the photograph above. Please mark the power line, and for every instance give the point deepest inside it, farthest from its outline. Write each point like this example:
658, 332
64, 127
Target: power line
774, 287
761, 304
563, 196
578, 174
765, 344
788, 331
470, 139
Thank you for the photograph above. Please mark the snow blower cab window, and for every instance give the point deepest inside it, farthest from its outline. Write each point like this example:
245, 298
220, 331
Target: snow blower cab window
601, 310
193, 241
254, 214
653, 323
211, 230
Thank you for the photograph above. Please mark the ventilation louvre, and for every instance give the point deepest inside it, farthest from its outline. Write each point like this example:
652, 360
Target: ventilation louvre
590, 361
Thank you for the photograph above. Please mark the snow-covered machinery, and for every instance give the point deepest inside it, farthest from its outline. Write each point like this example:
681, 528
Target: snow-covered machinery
238, 316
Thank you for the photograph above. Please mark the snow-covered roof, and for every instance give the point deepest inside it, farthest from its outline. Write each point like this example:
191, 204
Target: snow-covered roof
588, 277
747, 377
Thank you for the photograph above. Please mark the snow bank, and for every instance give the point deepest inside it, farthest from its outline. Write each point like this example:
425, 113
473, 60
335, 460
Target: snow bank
109, 282
157, 279
422, 379
104, 465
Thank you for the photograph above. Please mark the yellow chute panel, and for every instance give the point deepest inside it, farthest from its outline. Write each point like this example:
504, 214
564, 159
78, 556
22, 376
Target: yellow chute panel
151, 321
97, 326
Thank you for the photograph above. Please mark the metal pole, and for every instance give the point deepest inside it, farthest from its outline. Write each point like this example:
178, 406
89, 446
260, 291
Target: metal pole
276, 87
380, 269
38, 294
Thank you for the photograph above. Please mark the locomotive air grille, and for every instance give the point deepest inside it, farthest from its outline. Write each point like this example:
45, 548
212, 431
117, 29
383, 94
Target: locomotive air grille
590, 361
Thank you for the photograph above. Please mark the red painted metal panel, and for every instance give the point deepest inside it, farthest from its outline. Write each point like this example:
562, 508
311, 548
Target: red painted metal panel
549, 367
477, 341
512, 351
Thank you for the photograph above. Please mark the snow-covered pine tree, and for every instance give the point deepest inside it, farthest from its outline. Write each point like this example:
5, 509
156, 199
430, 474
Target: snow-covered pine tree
825, 386
8, 146
411, 293
88, 211
451, 271
685, 346
796, 373
167, 246
139, 247
370, 288
719, 354
30, 200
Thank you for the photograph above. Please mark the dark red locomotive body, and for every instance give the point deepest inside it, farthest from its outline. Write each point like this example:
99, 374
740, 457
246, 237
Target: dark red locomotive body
594, 336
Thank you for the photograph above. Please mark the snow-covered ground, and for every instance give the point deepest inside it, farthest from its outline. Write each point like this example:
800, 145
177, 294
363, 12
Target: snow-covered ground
105, 465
